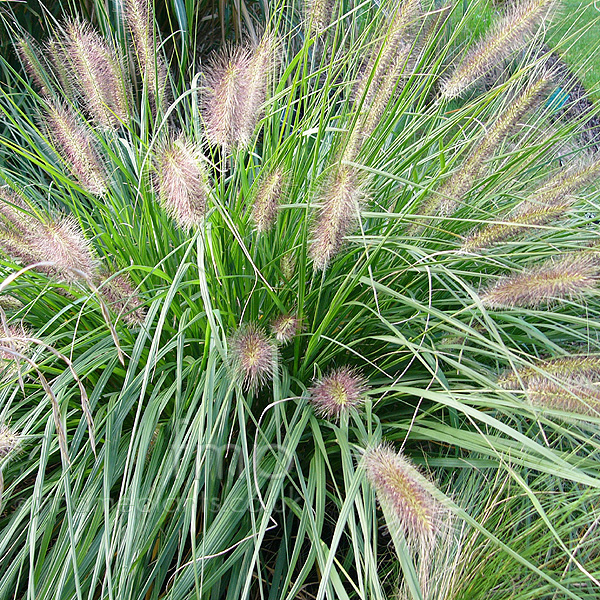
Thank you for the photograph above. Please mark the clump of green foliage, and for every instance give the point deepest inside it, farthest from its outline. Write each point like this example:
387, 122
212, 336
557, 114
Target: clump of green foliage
338, 274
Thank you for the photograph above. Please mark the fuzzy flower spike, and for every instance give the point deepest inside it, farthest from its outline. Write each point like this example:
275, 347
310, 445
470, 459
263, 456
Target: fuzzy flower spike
183, 182
511, 34
339, 391
340, 205
98, 74
402, 492
9, 441
570, 277
139, 17
75, 145
236, 85
252, 356
57, 241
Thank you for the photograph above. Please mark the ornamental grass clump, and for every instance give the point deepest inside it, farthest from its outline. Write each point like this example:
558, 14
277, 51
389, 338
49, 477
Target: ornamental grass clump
225, 303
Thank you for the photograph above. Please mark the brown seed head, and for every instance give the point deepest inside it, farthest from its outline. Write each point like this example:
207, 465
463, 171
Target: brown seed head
252, 356
401, 491
339, 391
570, 277
98, 73
183, 182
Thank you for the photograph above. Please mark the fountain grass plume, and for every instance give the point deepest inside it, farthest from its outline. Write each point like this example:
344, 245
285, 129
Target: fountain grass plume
573, 367
266, 199
567, 383
567, 278
401, 490
139, 15
285, 328
183, 187
252, 356
235, 91
97, 72
337, 392
450, 195
9, 441
15, 343
75, 144
398, 39
123, 298
340, 200
33, 240
512, 33
31, 58
529, 217
317, 15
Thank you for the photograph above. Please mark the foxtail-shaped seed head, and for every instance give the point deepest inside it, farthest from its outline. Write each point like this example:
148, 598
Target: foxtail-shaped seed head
266, 199
512, 33
97, 71
285, 328
14, 341
337, 392
567, 278
63, 244
252, 356
528, 218
574, 367
9, 441
31, 58
317, 14
139, 15
454, 189
74, 143
340, 205
236, 85
402, 492
568, 383
183, 182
